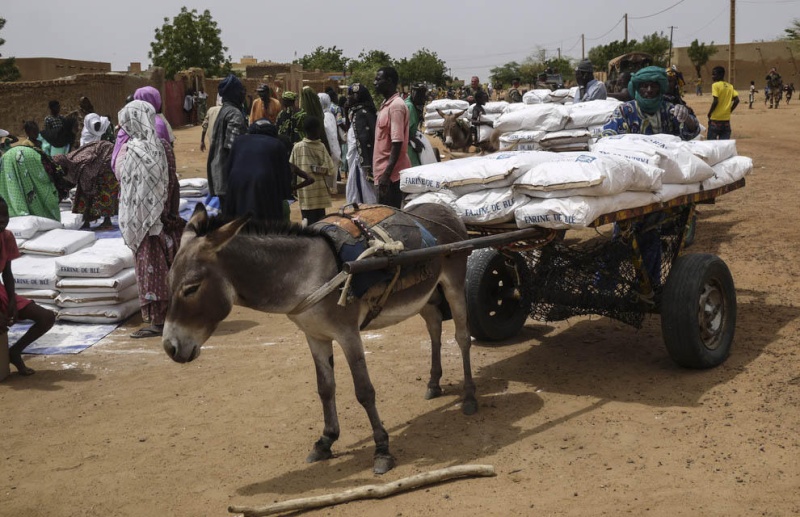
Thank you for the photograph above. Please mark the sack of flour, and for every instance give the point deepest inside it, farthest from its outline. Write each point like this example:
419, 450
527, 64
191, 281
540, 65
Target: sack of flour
446, 104
712, 151
492, 206
544, 117
577, 211
591, 113
473, 171
539, 96
26, 226
524, 140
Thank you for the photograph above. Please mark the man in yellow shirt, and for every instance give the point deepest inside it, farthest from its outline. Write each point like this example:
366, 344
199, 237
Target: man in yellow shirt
726, 98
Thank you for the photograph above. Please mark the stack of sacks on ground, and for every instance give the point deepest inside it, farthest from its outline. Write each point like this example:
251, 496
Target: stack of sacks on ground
553, 126
97, 284
194, 189
492, 111
434, 122
35, 271
572, 189
546, 95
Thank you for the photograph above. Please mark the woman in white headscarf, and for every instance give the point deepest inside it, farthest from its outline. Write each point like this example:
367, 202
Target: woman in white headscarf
148, 210
331, 129
96, 128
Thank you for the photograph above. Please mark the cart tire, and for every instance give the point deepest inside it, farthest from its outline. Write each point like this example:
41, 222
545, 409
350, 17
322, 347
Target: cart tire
698, 311
497, 303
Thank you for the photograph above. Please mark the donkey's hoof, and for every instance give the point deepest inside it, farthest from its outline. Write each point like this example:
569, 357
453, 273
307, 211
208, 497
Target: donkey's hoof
319, 455
432, 393
469, 407
383, 463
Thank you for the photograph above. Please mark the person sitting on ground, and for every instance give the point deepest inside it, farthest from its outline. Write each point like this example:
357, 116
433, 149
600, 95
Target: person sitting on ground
260, 179
310, 156
13, 307
589, 88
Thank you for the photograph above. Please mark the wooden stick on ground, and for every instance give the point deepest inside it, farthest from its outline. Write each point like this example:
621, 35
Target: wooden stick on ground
368, 491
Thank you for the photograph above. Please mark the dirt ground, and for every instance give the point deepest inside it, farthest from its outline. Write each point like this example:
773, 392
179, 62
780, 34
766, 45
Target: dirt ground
583, 417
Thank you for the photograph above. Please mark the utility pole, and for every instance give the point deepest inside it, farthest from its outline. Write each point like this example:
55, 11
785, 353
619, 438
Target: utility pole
732, 51
626, 26
583, 47
559, 53
671, 28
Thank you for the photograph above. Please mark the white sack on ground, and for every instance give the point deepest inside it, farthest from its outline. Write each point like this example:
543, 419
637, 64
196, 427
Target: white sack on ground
70, 221
100, 314
58, 242
543, 117
116, 283
577, 211
26, 226
95, 299
34, 272
100, 260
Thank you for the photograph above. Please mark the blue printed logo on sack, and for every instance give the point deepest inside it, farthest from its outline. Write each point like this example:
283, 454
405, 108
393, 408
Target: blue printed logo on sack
585, 158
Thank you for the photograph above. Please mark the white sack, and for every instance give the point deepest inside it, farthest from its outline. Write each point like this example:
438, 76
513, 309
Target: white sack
524, 140
677, 160
100, 314
116, 283
474, 170
95, 299
442, 197
713, 151
491, 206
26, 226
445, 104
193, 183
434, 115
545, 117
58, 242
100, 260
34, 272
70, 221
577, 211
38, 295
561, 96
555, 139
539, 96
591, 113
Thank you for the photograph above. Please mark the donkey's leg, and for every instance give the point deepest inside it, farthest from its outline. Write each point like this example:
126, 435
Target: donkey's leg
453, 277
322, 351
433, 321
365, 393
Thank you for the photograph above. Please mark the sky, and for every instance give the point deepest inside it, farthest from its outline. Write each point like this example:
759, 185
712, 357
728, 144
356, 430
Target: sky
470, 36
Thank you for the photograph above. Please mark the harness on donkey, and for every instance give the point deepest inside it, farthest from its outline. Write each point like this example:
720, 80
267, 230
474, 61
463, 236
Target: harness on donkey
358, 232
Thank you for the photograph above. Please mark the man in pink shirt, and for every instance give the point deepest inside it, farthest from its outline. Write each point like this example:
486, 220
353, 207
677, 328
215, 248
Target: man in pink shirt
390, 154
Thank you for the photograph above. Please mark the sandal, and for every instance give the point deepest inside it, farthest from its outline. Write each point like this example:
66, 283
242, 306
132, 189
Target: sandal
145, 332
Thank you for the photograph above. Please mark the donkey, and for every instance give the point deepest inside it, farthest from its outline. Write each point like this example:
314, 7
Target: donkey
220, 264
456, 133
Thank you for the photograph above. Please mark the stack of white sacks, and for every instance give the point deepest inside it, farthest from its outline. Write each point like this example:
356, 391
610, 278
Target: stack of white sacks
73, 274
571, 189
192, 189
433, 121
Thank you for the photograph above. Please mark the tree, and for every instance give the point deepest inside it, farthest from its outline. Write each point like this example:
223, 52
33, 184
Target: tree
793, 32
326, 59
423, 67
8, 68
657, 45
505, 74
191, 40
700, 53
364, 68
602, 54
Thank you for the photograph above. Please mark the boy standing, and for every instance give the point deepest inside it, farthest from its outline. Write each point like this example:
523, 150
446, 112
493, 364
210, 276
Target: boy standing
726, 98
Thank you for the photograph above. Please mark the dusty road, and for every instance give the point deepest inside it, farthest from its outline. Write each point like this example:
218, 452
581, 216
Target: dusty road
584, 417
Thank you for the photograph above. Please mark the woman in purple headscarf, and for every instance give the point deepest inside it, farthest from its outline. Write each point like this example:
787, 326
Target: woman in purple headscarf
152, 96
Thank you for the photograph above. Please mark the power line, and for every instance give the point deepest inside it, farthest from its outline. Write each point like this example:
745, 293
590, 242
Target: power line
656, 14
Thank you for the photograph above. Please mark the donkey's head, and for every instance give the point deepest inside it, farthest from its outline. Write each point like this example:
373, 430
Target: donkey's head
453, 134
201, 296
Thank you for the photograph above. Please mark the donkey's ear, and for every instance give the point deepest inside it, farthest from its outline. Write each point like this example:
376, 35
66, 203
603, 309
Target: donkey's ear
197, 223
223, 236
441, 113
460, 114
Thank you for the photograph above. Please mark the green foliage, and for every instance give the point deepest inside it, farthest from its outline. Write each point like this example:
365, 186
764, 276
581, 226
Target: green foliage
326, 59
700, 53
8, 70
657, 45
505, 74
793, 32
364, 68
602, 54
423, 67
190, 40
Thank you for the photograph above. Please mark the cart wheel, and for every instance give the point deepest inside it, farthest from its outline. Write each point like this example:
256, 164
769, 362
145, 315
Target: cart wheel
497, 303
698, 311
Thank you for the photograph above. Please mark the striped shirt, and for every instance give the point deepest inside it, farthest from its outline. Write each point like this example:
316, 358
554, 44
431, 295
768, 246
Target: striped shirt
310, 156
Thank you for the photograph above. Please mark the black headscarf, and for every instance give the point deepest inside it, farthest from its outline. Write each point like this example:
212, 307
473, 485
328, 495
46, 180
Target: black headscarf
232, 90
